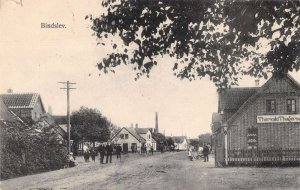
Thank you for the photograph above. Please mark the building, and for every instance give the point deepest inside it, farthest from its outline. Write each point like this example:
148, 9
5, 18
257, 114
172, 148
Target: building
261, 123
25, 105
45, 121
180, 143
132, 139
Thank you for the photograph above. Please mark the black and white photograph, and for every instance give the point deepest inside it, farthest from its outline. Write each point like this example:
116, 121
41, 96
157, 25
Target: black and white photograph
150, 94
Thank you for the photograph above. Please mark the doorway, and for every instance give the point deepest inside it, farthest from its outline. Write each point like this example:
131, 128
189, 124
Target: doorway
125, 147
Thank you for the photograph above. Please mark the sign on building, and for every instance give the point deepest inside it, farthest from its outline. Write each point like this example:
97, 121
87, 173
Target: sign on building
278, 118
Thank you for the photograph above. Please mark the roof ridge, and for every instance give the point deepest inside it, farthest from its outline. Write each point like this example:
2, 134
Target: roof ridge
255, 87
20, 93
255, 95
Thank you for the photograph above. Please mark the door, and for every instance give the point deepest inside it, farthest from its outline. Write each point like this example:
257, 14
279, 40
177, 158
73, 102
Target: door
125, 147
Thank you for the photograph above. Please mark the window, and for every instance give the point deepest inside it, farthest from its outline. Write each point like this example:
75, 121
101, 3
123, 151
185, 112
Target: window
291, 105
271, 106
122, 136
126, 136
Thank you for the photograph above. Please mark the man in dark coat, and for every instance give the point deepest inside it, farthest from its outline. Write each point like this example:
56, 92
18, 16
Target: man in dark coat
101, 150
93, 154
205, 153
152, 150
118, 151
109, 151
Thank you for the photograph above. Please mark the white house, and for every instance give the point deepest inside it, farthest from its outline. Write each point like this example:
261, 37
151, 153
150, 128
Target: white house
180, 142
132, 139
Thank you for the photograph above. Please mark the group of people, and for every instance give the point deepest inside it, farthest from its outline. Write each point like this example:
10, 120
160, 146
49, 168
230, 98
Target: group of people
202, 151
147, 149
104, 150
108, 152
89, 152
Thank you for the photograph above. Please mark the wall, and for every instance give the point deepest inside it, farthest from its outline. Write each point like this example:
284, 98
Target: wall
37, 111
22, 112
148, 137
131, 139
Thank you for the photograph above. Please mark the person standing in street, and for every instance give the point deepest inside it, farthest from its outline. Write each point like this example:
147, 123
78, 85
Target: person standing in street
93, 154
118, 151
86, 153
205, 153
101, 150
151, 150
109, 151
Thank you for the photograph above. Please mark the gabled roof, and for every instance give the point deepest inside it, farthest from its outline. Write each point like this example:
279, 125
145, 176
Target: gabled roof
233, 98
153, 140
132, 132
257, 94
141, 130
24, 100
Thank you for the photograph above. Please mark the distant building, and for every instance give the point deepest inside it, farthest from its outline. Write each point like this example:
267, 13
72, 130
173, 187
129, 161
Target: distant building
25, 105
258, 118
180, 142
45, 120
134, 138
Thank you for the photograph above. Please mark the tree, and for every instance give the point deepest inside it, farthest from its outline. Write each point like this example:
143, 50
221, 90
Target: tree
170, 143
89, 124
195, 143
27, 149
211, 39
204, 138
160, 139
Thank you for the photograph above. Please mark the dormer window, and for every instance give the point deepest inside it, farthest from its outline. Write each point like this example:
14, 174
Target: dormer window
291, 105
271, 106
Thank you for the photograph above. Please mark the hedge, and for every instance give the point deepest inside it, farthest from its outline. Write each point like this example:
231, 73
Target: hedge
28, 149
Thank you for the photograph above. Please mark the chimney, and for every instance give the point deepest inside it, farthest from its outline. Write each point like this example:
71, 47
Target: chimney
156, 122
136, 125
257, 83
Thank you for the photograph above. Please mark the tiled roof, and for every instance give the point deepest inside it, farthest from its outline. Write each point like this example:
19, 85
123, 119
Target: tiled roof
26, 100
233, 98
132, 131
135, 134
141, 130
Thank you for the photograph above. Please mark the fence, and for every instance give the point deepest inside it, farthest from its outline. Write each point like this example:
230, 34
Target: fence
264, 157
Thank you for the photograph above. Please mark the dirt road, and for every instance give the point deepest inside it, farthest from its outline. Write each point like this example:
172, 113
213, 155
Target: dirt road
161, 171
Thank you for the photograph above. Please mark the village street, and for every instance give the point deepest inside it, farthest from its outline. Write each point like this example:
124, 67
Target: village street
161, 171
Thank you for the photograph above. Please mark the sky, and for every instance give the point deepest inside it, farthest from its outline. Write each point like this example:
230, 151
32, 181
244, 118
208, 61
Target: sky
35, 59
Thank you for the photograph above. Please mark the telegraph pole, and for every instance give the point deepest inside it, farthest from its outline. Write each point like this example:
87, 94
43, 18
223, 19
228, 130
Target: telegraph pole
68, 88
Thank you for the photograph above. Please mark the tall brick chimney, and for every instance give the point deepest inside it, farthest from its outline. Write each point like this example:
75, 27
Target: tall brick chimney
156, 122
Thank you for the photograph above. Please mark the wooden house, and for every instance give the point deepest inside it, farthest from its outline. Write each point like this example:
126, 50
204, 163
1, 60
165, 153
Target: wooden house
259, 125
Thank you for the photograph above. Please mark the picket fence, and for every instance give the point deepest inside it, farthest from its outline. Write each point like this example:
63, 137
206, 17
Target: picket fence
264, 157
